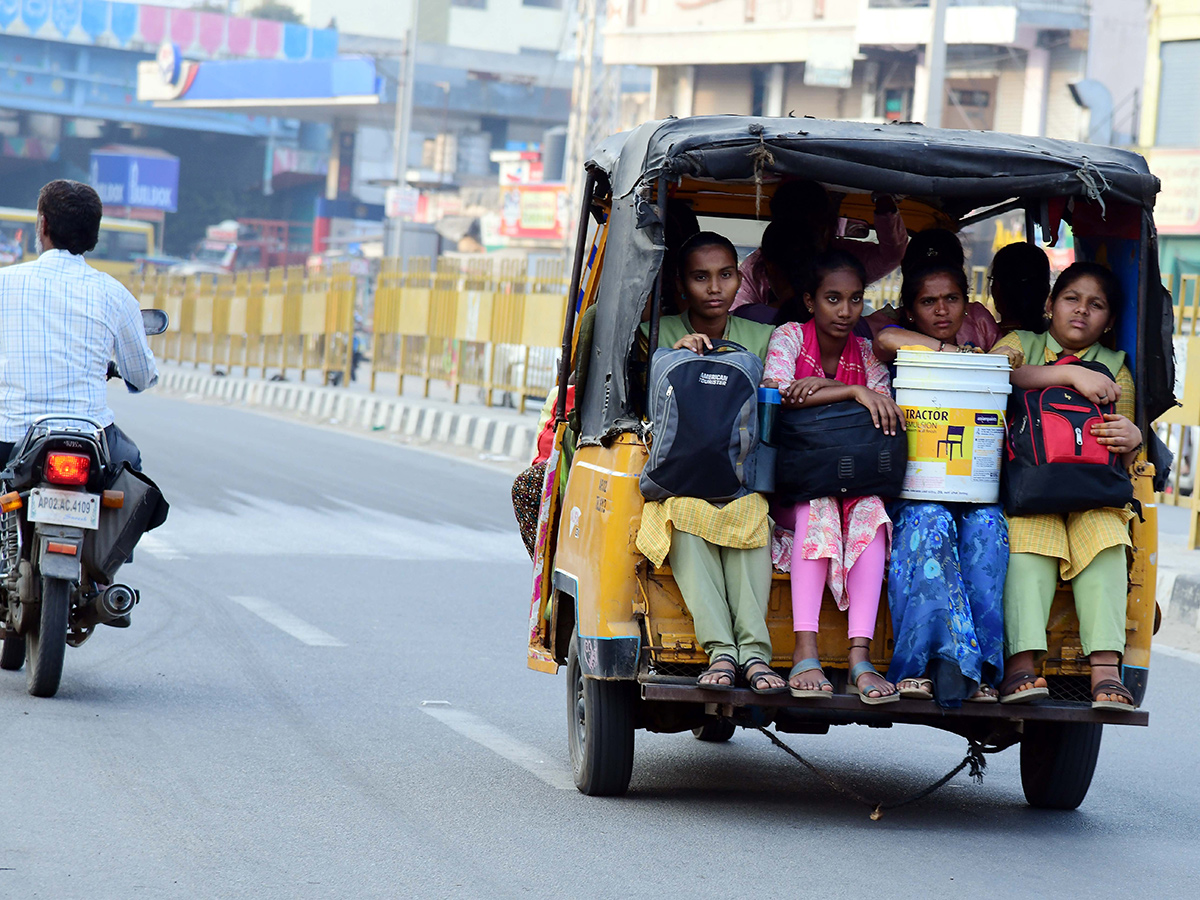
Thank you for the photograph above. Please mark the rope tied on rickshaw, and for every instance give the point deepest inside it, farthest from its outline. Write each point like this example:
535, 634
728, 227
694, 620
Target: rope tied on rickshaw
974, 759
1088, 174
763, 157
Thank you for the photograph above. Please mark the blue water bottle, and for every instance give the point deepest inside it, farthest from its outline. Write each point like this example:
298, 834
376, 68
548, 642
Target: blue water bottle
768, 413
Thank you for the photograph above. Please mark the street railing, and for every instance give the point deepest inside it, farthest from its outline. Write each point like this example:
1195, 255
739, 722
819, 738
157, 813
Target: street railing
282, 319
492, 325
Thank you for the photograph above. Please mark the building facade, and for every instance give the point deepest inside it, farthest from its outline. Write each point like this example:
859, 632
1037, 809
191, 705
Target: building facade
1170, 134
1009, 63
536, 27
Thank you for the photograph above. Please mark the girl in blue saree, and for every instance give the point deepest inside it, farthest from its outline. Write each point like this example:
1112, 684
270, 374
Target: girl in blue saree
949, 560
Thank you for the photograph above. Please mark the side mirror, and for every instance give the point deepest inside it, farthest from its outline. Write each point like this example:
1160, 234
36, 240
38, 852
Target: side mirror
855, 228
154, 321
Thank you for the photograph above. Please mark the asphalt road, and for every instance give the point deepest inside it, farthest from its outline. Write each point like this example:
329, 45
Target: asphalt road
259, 731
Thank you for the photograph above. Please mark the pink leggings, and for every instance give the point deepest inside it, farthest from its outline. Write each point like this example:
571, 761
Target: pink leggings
863, 582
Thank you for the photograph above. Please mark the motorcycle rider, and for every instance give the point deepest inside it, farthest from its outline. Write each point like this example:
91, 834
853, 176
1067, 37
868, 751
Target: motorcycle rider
61, 322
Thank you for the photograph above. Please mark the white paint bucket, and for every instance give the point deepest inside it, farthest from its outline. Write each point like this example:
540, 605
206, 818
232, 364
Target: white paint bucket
953, 407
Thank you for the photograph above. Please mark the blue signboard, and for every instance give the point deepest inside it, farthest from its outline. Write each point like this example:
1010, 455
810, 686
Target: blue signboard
149, 181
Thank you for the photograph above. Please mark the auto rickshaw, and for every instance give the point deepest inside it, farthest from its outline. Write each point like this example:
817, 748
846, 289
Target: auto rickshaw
617, 623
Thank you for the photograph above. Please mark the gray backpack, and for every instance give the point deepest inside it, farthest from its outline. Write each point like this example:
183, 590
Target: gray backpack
704, 420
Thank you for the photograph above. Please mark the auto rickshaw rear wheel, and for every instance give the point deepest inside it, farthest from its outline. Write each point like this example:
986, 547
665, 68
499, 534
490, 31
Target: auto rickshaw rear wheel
600, 725
1057, 762
715, 731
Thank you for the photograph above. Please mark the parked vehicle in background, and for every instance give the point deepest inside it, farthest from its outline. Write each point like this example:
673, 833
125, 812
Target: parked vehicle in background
122, 241
237, 245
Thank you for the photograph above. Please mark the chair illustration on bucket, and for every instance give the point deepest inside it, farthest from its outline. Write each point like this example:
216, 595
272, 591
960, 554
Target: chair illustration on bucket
953, 438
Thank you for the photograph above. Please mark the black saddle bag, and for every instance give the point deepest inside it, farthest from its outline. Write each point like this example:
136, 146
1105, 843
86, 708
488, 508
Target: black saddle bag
836, 451
143, 508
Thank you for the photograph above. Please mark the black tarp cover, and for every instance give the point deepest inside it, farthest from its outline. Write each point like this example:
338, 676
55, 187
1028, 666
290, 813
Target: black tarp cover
956, 171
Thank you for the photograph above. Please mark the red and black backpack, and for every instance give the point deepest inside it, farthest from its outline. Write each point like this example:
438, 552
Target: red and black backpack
1055, 464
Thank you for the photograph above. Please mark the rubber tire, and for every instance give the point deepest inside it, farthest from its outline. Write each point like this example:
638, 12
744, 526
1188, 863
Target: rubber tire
715, 731
1058, 760
12, 653
600, 726
46, 641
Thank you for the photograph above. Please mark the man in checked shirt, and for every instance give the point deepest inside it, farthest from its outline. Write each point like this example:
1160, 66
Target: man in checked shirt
61, 322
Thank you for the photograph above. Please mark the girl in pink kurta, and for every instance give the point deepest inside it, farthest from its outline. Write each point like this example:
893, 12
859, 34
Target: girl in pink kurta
837, 543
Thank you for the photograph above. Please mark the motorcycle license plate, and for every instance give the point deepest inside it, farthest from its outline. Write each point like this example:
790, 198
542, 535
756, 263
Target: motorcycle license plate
70, 508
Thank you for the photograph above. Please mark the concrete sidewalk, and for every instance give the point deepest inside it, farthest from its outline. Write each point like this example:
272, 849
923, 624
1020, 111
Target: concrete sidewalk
495, 432
1178, 588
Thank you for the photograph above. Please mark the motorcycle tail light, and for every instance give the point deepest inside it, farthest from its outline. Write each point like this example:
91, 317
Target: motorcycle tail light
67, 468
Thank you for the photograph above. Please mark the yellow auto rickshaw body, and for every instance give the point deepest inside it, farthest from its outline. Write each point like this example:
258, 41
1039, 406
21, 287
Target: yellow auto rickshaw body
601, 608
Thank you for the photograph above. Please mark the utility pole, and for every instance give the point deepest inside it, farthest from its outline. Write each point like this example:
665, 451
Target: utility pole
403, 123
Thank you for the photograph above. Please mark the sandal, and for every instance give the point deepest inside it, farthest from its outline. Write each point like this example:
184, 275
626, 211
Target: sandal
808, 665
755, 681
985, 694
1010, 694
715, 669
921, 688
1112, 687
857, 672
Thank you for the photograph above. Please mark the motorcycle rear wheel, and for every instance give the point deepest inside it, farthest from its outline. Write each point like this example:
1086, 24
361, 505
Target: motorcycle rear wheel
46, 639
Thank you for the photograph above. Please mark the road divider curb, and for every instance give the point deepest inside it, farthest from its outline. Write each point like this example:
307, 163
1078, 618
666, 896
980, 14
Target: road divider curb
423, 421
1181, 598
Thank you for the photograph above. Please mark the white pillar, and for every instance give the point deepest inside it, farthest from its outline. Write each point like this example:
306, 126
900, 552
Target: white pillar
920, 97
685, 90
1037, 82
656, 85
934, 61
870, 91
776, 81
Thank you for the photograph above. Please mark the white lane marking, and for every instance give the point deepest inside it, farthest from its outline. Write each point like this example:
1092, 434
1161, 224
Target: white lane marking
286, 622
1177, 653
159, 548
487, 735
257, 526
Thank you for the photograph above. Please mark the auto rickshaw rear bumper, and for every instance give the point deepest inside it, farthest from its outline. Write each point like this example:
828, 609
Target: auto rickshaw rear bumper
846, 709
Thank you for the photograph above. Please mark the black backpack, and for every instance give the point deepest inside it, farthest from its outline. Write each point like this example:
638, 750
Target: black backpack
836, 451
704, 420
1055, 464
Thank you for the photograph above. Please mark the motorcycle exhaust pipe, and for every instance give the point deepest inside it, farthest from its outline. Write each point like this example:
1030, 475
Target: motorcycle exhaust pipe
117, 600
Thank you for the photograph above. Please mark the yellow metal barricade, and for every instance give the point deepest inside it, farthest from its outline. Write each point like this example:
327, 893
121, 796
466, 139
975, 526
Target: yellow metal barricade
510, 357
202, 319
271, 327
440, 352
385, 323
252, 350
222, 309
313, 300
1179, 428
339, 324
473, 328
292, 341
185, 290
412, 325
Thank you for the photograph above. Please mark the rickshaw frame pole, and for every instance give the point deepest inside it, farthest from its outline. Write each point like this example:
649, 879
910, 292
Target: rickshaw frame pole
656, 303
564, 369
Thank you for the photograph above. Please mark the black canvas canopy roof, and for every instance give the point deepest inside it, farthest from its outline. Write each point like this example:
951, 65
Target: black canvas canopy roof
954, 171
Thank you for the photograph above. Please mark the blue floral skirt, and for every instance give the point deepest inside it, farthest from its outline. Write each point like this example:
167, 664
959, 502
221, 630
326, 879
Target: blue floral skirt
945, 591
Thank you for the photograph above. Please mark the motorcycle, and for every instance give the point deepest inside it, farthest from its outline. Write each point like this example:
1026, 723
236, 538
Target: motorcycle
71, 517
